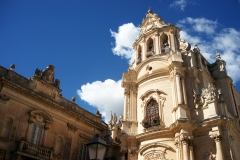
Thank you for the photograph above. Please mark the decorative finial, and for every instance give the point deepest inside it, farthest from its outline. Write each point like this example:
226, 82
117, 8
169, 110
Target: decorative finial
149, 10
12, 67
73, 99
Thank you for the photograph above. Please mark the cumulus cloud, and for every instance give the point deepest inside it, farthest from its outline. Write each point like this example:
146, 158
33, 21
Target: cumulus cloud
226, 41
179, 3
124, 39
200, 24
106, 96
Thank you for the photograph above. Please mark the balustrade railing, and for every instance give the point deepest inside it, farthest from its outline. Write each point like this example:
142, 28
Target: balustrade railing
35, 150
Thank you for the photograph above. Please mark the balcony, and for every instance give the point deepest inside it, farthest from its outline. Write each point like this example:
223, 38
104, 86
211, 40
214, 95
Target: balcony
34, 151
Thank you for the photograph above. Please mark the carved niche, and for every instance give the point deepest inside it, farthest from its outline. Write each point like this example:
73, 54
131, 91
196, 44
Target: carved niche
41, 118
152, 107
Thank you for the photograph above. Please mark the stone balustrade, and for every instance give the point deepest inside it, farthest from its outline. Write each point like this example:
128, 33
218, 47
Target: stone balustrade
35, 150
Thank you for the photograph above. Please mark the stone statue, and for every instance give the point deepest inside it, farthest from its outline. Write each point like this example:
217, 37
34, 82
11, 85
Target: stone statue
218, 57
48, 74
38, 72
57, 82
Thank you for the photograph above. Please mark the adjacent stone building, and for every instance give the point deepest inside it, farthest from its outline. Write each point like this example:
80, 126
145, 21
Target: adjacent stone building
177, 106
38, 123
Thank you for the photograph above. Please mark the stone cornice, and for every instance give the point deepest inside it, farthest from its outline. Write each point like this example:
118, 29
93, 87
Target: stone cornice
65, 105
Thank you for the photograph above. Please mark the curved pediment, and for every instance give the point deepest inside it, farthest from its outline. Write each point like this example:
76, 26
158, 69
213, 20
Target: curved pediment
147, 93
40, 116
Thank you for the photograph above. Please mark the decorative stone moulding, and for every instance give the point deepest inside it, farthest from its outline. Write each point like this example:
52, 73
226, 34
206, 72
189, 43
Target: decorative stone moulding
71, 127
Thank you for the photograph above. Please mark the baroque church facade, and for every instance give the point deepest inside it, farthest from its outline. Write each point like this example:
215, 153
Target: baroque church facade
177, 106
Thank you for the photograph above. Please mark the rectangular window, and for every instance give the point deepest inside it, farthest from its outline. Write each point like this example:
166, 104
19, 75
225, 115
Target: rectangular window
83, 152
36, 134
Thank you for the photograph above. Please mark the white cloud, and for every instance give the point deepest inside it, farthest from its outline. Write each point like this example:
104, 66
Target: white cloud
200, 24
107, 96
226, 41
179, 3
124, 39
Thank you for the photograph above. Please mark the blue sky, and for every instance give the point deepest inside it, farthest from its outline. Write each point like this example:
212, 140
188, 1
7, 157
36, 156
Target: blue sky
89, 42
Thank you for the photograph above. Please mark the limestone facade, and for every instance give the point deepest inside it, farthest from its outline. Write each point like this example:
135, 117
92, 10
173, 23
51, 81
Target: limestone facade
38, 123
177, 105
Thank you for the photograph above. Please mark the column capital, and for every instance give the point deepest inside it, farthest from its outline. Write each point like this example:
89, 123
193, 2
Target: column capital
177, 143
216, 136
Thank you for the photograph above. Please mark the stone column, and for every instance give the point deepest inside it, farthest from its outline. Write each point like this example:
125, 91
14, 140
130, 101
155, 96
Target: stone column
184, 90
126, 104
185, 142
172, 41
144, 50
156, 48
191, 155
179, 87
218, 141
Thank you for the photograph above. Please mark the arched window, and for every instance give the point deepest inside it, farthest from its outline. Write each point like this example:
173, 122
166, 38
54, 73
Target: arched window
164, 43
58, 146
150, 48
152, 114
7, 127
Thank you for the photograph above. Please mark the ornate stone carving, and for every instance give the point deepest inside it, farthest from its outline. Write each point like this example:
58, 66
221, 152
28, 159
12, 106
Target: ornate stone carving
4, 97
156, 155
208, 94
197, 100
47, 75
177, 143
151, 21
72, 127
